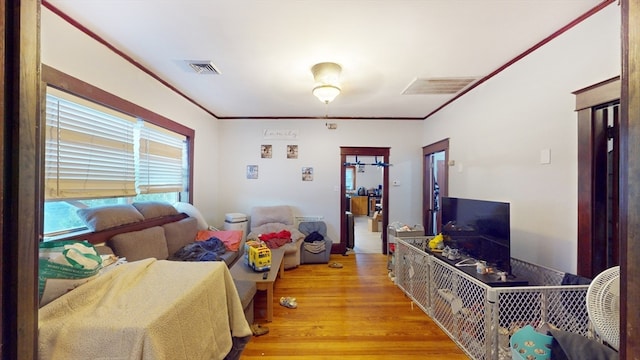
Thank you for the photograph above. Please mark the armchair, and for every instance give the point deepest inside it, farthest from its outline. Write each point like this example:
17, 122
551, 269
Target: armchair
273, 219
318, 252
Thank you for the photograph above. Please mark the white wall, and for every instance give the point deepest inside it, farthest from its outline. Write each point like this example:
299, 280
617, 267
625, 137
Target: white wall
280, 182
71, 51
498, 130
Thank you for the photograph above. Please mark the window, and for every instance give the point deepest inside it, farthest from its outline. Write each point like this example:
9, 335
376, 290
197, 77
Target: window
350, 178
97, 156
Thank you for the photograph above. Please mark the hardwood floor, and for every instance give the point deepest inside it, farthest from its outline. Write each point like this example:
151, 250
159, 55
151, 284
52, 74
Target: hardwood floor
355, 312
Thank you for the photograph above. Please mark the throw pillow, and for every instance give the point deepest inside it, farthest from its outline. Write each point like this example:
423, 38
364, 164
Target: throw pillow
567, 345
154, 209
105, 217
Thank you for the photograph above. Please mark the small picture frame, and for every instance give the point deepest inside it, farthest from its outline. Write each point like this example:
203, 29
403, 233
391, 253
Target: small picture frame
266, 151
292, 151
252, 171
307, 174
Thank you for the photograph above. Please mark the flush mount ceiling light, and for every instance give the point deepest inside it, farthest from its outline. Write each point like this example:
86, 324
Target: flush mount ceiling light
327, 78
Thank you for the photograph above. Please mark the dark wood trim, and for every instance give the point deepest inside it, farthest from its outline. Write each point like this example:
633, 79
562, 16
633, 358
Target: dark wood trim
597, 94
316, 118
4, 165
345, 151
99, 237
64, 82
21, 150
592, 134
630, 182
427, 182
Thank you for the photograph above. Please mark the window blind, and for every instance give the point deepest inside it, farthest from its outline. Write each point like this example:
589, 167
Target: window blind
89, 149
161, 160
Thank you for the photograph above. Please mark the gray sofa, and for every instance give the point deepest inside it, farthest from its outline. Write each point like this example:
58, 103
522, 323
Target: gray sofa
156, 241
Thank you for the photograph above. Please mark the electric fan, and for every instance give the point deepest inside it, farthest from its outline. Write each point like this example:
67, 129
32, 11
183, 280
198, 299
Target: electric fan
603, 305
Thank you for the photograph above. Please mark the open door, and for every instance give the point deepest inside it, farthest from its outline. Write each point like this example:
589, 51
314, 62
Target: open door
383, 155
435, 183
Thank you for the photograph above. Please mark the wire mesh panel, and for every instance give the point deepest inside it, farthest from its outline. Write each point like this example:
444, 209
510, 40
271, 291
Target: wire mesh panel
542, 307
459, 307
536, 275
480, 318
413, 276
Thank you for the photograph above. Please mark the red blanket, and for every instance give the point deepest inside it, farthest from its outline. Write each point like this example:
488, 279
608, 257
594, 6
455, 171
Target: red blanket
276, 239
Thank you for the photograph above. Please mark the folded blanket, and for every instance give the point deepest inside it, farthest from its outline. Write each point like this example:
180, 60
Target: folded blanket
315, 247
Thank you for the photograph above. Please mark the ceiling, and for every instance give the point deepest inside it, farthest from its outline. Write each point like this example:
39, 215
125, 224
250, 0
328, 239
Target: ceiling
264, 49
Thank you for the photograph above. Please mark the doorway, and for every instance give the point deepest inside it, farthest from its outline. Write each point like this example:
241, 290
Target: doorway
435, 184
599, 244
380, 155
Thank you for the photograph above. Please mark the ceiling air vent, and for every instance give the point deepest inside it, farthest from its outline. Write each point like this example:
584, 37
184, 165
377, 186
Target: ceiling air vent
204, 67
437, 86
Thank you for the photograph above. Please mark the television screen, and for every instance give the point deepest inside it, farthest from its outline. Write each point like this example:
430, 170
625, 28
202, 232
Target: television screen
479, 229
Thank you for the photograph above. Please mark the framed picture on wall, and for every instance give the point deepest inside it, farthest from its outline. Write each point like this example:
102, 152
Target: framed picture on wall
252, 171
292, 151
307, 174
266, 151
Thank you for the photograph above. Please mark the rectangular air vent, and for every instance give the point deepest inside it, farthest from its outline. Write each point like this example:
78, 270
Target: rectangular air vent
204, 67
437, 86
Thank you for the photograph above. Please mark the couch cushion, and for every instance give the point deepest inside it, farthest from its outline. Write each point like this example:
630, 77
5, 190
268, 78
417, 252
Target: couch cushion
138, 245
180, 233
105, 217
154, 209
246, 291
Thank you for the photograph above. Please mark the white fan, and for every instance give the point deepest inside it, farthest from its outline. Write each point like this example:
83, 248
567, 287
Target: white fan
603, 305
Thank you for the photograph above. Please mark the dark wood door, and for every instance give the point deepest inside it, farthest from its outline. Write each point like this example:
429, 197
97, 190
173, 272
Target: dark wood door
435, 174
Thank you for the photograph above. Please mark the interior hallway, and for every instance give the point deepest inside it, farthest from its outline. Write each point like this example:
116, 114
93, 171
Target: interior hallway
366, 242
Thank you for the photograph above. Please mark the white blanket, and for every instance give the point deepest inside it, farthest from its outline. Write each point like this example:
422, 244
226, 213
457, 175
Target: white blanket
146, 309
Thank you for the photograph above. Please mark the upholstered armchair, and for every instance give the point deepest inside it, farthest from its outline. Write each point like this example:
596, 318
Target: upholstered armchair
316, 248
274, 219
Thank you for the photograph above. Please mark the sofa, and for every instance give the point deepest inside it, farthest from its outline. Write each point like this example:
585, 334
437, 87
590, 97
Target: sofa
140, 231
270, 221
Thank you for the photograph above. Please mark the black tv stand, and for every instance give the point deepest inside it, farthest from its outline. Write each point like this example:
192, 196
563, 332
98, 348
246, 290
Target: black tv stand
492, 280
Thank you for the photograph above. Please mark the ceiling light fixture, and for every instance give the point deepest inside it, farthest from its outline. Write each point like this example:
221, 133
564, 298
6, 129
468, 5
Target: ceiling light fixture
327, 78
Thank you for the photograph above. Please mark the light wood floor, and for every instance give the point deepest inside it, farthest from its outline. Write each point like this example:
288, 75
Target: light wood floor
351, 313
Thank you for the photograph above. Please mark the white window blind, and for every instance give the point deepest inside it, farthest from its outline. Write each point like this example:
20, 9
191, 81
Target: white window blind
161, 160
89, 149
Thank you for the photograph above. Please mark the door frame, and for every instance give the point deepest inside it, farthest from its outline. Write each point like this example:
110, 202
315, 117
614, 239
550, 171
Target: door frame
345, 151
427, 179
591, 137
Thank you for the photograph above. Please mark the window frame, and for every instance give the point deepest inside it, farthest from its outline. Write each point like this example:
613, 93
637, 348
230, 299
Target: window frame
54, 78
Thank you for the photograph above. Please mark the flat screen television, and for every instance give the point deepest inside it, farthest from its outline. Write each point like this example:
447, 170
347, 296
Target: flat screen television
479, 229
